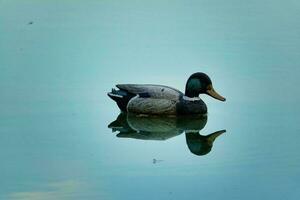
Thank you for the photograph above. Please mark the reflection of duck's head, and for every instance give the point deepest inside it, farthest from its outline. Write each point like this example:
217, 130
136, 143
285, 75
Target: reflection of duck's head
199, 144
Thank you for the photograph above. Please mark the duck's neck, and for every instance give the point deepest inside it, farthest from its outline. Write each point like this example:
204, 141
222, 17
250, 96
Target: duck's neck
191, 93
187, 98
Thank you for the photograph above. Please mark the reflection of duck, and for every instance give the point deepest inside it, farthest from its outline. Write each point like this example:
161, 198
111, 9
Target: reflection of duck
163, 128
159, 99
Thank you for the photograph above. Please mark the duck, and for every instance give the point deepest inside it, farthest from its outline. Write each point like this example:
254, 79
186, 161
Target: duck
162, 128
151, 99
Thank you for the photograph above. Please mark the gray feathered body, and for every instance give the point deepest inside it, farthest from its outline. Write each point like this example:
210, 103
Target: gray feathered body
155, 100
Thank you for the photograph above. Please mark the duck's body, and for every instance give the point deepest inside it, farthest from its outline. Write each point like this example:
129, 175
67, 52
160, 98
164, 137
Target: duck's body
156, 100
152, 99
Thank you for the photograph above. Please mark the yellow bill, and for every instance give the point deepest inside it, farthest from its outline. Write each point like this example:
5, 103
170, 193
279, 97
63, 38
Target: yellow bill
211, 92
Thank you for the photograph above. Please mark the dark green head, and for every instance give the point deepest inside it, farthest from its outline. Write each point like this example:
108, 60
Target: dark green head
200, 83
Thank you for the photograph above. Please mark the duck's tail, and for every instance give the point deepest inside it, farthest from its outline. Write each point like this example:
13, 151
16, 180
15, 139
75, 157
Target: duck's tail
121, 97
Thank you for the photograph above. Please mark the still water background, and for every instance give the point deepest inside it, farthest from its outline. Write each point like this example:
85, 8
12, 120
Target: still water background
54, 112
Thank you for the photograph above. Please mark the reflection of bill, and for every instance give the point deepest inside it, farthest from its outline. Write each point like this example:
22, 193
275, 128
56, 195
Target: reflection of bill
163, 128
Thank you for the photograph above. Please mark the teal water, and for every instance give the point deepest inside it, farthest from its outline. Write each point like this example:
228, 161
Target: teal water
59, 58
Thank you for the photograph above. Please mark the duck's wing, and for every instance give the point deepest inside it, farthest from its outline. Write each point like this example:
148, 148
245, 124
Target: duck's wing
153, 91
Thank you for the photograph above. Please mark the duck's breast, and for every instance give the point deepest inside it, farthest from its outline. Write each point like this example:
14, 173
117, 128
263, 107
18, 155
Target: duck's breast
191, 106
151, 106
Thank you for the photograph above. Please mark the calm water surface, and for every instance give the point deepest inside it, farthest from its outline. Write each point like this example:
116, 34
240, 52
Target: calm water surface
59, 58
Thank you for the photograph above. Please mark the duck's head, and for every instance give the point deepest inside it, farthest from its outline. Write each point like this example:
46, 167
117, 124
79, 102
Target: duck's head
200, 83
